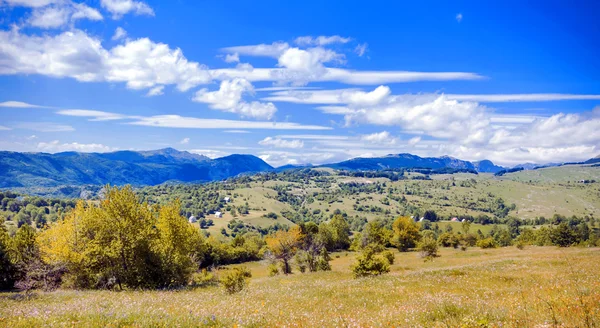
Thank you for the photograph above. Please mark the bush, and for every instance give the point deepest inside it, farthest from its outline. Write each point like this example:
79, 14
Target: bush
428, 247
368, 264
273, 270
323, 261
487, 243
203, 279
235, 280
389, 256
520, 245
448, 239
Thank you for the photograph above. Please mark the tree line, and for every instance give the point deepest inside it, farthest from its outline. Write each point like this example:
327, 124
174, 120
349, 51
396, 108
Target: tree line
121, 242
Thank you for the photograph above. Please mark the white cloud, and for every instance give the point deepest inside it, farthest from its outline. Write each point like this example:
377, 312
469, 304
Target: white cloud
176, 121
360, 98
4, 128
321, 40
459, 17
278, 158
120, 33
312, 137
345, 76
45, 127
281, 143
274, 50
306, 65
236, 131
19, 104
61, 14
229, 98
414, 140
156, 91
94, 115
361, 49
232, 58
210, 153
31, 3
31, 137
143, 63
118, 8
81, 11
139, 63
532, 97
56, 147
185, 141
381, 138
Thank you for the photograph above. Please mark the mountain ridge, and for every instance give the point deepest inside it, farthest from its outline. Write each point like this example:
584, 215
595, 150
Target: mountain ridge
152, 167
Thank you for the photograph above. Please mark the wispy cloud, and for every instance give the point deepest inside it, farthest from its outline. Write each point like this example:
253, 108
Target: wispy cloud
19, 104
45, 127
93, 115
526, 97
176, 121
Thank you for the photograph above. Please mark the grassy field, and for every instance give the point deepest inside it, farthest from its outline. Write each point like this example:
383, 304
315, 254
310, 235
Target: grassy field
535, 287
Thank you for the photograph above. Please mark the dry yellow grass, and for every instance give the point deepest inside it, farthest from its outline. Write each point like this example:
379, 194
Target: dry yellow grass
535, 287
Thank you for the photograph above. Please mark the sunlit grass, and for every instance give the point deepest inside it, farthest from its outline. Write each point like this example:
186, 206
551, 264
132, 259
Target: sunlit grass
535, 287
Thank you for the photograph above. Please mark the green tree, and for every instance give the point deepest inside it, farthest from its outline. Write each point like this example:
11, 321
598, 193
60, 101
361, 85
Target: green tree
563, 235
8, 270
370, 264
124, 242
406, 233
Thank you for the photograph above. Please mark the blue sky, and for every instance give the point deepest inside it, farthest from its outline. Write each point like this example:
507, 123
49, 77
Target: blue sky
304, 82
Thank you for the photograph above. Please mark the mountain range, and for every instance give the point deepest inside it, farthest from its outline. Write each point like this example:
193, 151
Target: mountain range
122, 167
139, 168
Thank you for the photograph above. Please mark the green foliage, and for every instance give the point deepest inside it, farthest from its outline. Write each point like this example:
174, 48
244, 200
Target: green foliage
203, 278
374, 233
448, 239
8, 270
563, 235
124, 242
323, 260
487, 243
370, 264
335, 234
428, 247
235, 280
406, 233
389, 256
273, 270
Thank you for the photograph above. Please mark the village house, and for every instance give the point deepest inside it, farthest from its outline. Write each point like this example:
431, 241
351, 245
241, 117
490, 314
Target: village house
218, 214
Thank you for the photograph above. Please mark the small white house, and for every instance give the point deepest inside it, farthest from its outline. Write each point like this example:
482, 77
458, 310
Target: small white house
193, 219
218, 214
464, 220
421, 219
226, 199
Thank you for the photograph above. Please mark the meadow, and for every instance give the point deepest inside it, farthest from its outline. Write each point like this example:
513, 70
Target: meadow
504, 287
